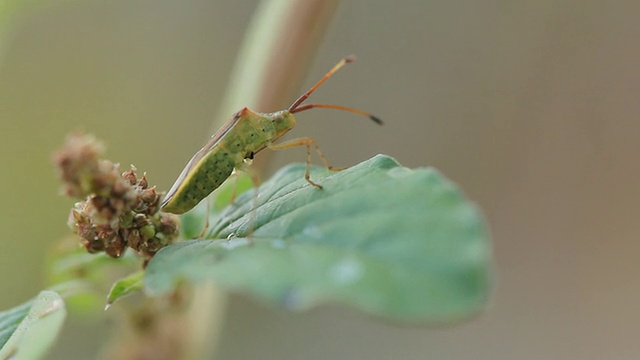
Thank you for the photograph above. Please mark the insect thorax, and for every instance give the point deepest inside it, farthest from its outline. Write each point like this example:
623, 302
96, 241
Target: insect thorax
257, 130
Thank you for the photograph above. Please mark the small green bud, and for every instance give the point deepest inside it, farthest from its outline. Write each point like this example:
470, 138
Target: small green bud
147, 232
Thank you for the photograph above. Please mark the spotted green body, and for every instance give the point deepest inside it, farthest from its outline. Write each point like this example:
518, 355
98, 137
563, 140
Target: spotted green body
242, 137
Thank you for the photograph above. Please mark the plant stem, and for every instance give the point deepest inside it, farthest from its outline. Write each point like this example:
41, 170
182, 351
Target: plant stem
276, 53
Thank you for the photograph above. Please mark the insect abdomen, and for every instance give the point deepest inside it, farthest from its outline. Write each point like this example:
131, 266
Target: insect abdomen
208, 175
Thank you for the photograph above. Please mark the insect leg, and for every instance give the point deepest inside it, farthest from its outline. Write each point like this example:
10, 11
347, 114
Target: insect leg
246, 168
234, 189
305, 141
206, 224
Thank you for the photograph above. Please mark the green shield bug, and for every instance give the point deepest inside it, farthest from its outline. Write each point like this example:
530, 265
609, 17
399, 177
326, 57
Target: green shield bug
246, 134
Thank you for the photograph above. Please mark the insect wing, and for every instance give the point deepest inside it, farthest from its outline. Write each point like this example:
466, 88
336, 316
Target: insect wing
211, 144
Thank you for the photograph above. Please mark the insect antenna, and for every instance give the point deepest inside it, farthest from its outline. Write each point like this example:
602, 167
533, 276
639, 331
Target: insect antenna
338, 107
295, 107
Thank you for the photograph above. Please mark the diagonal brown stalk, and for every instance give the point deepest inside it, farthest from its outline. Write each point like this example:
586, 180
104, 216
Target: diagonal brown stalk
276, 54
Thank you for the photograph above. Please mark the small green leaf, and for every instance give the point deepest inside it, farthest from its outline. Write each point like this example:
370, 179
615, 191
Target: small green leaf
124, 287
390, 241
28, 331
78, 263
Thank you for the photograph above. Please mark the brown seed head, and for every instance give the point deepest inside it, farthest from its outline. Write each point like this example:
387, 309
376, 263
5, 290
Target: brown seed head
119, 209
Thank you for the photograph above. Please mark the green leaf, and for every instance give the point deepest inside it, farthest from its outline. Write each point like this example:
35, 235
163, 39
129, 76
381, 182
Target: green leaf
27, 331
78, 263
390, 241
124, 287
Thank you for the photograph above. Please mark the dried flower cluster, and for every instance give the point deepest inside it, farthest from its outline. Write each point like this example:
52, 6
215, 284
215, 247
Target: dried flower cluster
118, 210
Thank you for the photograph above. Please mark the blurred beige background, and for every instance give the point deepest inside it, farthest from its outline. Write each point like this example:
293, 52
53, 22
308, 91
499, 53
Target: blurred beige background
531, 107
